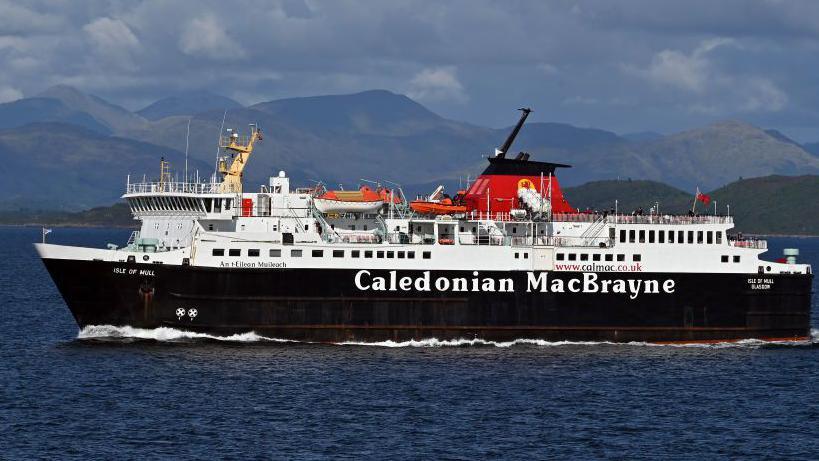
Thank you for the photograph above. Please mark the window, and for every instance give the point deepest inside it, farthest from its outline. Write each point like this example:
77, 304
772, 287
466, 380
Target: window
680, 236
517, 255
365, 227
227, 203
596, 257
411, 255
670, 236
709, 237
651, 236
306, 227
235, 252
661, 236
736, 259
514, 230
253, 252
338, 253
699, 237
572, 257
642, 235
401, 255
584, 256
379, 254
622, 236
368, 254
631, 236
724, 258
295, 253
719, 238
275, 253
427, 255
621, 257
609, 257
560, 256
636, 258
525, 255
355, 253
690, 236
391, 254
218, 252
317, 253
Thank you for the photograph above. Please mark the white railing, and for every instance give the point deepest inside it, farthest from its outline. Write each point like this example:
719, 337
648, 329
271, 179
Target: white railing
749, 243
642, 219
172, 187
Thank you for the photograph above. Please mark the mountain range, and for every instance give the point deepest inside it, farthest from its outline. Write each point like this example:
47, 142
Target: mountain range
64, 149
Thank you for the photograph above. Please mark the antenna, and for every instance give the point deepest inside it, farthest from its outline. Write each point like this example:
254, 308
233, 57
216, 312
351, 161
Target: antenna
187, 144
218, 142
501, 152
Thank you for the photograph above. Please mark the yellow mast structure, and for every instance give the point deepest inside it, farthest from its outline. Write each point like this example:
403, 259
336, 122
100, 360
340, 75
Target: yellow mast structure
241, 147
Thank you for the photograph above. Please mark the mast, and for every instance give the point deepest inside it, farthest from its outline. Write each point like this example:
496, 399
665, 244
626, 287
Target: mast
241, 148
501, 152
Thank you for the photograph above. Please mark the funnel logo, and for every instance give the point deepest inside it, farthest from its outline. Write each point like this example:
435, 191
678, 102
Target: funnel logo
525, 184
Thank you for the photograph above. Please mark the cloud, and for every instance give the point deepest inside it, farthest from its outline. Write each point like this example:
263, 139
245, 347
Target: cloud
18, 20
113, 40
206, 37
690, 72
437, 84
8, 94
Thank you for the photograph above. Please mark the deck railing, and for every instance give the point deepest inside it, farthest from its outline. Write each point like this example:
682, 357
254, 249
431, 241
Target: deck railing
172, 187
756, 244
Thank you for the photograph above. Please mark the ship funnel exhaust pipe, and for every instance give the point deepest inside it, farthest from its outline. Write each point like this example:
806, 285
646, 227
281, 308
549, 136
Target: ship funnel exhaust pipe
501, 152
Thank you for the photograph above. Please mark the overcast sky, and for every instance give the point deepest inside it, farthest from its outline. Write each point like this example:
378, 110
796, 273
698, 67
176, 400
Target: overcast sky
625, 66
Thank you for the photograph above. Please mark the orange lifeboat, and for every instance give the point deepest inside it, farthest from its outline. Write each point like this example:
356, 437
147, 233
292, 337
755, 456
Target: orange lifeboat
364, 200
444, 206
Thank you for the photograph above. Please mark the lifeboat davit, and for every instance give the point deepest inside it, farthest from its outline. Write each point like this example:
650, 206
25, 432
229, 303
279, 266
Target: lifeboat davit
364, 200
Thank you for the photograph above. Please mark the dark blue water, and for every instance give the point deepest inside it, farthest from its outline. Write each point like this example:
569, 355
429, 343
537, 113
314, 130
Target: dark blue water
66, 398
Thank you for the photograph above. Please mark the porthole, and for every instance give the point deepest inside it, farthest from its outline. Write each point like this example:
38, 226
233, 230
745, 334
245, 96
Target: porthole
146, 257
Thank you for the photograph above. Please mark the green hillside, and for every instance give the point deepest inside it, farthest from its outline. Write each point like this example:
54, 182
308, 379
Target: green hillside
764, 205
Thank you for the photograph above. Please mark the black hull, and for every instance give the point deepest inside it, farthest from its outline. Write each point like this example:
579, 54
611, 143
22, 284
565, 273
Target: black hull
327, 306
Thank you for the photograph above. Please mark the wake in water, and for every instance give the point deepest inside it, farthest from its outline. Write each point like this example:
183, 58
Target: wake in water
164, 334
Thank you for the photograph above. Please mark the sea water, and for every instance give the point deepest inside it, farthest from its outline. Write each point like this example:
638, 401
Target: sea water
125, 393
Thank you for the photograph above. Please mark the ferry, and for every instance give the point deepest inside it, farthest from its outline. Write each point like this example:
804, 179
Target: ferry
508, 258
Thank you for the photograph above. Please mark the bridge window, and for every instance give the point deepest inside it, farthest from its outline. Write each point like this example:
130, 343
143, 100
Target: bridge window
218, 252
699, 237
670, 236
642, 235
275, 253
680, 236
690, 236
295, 253
719, 237
253, 252
622, 236
661, 236
709, 237
235, 252
651, 236
631, 235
